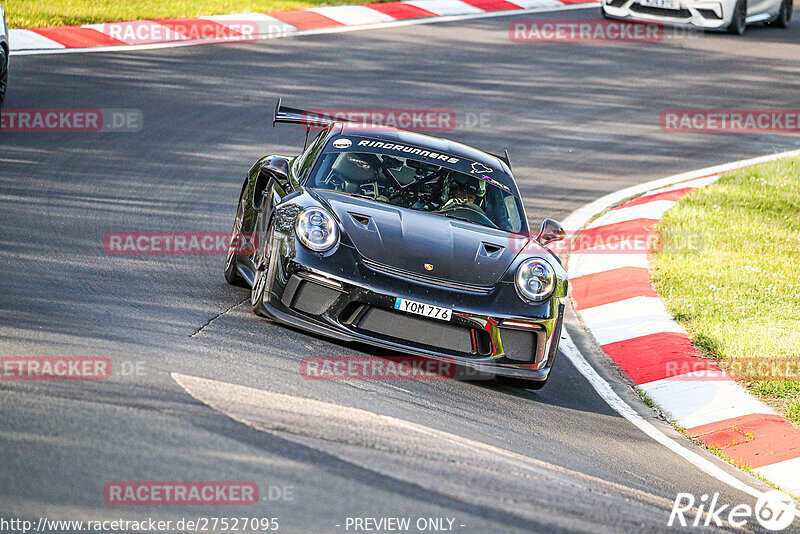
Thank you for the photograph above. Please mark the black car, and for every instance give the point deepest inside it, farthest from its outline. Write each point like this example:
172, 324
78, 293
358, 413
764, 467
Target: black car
402, 241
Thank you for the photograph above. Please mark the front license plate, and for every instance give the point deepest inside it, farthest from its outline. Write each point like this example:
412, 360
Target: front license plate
420, 308
663, 4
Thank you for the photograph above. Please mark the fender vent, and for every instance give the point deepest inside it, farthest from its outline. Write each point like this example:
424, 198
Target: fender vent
491, 250
360, 219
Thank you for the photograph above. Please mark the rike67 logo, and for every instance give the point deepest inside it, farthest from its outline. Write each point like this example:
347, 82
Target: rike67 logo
774, 511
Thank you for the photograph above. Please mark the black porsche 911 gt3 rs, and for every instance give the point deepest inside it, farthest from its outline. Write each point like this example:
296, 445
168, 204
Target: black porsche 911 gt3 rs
403, 241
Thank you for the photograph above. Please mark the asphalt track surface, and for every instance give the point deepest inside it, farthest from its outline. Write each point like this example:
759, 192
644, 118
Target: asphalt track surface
580, 121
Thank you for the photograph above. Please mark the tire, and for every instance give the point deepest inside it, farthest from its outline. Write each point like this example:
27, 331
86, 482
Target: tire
3, 76
232, 275
784, 16
262, 271
739, 22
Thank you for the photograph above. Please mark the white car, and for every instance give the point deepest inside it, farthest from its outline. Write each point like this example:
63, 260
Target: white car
730, 15
3, 56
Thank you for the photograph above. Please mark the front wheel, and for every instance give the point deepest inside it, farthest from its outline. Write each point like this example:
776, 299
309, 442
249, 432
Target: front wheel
739, 22
262, 273
232, 275
3, 76
784, 16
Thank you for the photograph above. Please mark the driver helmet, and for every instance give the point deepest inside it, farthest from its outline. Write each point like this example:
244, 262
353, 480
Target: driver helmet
357, 168
467, 184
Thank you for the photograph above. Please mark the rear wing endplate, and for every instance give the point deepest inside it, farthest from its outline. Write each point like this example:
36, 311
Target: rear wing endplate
286, 115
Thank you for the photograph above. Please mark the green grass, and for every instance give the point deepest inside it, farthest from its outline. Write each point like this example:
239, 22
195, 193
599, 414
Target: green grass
645, 397
38, 13
739, 296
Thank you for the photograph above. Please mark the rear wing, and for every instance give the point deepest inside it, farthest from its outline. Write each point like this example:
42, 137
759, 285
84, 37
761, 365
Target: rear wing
286, 115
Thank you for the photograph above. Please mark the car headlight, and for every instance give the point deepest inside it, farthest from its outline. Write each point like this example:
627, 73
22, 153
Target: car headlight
535, 279
316, 229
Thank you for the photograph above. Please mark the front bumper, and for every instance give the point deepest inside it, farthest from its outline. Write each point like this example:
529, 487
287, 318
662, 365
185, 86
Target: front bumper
705, 14
342, 296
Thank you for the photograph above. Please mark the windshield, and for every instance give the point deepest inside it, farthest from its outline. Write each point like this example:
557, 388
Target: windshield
419, 185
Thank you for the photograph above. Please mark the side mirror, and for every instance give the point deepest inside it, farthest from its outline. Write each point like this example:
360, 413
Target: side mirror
278, 168
551, 231
274, 169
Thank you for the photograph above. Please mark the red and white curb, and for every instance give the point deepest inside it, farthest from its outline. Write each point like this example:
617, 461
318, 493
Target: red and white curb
252, 26
613, 297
